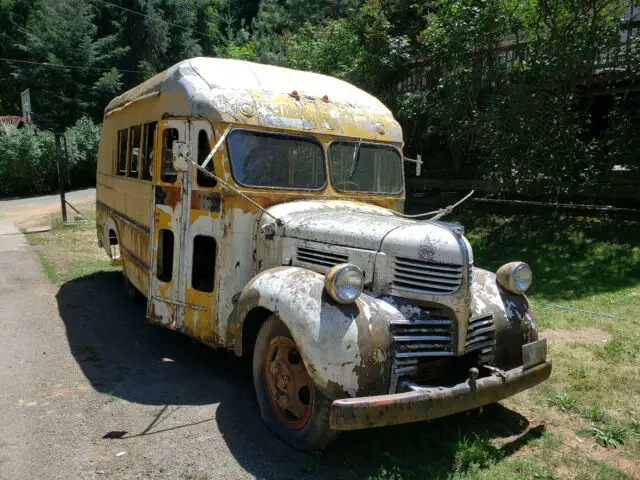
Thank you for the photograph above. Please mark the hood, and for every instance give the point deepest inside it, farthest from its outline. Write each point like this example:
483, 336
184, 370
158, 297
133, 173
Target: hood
367, 227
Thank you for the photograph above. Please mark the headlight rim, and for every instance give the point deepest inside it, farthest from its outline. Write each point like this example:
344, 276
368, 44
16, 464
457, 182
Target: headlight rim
332, 276
506, 276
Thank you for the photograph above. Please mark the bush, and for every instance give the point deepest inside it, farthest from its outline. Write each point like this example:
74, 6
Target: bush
28, 159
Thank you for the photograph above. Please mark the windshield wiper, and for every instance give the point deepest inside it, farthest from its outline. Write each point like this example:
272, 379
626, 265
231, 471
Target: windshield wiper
354, 161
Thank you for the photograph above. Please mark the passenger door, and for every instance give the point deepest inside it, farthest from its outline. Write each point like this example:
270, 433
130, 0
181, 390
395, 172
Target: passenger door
166, 300
202, 241
186, 233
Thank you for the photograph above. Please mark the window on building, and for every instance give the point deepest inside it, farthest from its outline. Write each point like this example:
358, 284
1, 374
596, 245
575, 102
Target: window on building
168, 174
164, 270
147, 159
204, 147
123, 135
134, 150
204, 259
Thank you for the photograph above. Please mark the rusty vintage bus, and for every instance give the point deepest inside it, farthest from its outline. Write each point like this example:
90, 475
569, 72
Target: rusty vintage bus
260, 209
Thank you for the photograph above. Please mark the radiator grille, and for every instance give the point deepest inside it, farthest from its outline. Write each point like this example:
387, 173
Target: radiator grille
481, 335
320, 258
425, 277
427, 336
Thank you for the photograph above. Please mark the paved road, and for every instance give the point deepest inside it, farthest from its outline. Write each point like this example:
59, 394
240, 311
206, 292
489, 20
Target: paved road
76, 195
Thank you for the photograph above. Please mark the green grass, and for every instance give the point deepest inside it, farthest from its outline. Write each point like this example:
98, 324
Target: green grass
67, 251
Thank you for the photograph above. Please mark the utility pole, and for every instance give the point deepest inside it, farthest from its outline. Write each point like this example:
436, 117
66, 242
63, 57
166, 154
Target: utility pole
61, 177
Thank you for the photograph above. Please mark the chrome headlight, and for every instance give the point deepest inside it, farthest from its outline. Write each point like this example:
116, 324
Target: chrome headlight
515, 277
344, 283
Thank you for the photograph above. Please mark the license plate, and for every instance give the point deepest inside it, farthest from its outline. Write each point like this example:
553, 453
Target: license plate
534, 353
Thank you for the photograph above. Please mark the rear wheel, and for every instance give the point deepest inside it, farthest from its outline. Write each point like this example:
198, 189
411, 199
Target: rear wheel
290, 404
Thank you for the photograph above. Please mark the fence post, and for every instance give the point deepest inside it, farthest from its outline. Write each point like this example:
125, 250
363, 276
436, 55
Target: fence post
61, 175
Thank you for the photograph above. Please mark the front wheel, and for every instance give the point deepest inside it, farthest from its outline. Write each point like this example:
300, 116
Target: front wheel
290, 404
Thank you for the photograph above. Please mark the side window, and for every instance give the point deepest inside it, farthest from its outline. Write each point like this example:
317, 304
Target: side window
147, 163
122, 152
204, 259
168, 174
165, 255
204, 147
134, 151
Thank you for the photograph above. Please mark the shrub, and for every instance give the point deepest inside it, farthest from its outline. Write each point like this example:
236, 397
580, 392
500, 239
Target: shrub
28, 164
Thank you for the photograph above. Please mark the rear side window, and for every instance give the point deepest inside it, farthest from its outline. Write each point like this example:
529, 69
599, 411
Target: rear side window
168, 174
204, 263
164, 267
263, 159
134, 149
121, 164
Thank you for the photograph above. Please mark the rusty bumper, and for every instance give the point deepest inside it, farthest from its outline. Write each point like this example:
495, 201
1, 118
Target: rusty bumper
435, 402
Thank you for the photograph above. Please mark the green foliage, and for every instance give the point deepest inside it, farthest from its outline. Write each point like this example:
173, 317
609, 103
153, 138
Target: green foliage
609, 435
564, 402
595, 414
28, 158
476, 453
490, 89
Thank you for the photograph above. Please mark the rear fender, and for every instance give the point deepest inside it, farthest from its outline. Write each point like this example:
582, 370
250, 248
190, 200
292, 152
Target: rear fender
344, 347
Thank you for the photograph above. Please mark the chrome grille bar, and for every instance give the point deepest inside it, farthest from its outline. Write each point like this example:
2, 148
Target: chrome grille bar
426, 277
318, 257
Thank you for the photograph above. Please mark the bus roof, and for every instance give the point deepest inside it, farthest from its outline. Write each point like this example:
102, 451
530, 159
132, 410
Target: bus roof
249, 93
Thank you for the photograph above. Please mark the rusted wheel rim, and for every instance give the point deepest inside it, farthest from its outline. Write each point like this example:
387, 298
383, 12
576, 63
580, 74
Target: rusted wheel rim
288, 383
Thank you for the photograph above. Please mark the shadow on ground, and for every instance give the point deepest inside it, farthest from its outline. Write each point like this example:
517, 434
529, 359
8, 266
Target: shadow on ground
123, 356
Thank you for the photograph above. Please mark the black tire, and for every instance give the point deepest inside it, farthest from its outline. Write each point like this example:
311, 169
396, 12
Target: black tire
315, 434
130, 292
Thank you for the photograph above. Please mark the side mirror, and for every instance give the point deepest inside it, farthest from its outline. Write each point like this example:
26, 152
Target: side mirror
418, 162
180, 152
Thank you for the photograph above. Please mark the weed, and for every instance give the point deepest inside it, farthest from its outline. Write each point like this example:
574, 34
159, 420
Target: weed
595, 414
577, 373
475, 453
609, 435
563, 401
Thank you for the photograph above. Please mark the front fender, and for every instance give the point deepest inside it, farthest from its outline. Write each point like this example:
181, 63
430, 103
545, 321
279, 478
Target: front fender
514, 320
344, 347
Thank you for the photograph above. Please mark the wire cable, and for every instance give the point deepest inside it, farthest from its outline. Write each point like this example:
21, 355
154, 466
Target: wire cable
61, 65
572, 309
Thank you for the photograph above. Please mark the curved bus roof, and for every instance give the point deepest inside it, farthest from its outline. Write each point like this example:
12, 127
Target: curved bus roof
249, 93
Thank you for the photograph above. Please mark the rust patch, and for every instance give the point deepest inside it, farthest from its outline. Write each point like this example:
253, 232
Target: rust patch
209, 201
168, 196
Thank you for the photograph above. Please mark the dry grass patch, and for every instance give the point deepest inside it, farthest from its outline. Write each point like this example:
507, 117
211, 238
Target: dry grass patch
69, 251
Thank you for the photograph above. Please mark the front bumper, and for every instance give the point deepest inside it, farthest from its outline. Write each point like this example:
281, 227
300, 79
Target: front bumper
434, 402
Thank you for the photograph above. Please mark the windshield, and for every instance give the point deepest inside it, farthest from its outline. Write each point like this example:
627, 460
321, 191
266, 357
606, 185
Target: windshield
262, 159
365, 167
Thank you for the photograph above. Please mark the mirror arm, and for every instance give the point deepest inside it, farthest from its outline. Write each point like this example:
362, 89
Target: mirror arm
217, 146
418, 161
